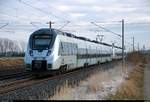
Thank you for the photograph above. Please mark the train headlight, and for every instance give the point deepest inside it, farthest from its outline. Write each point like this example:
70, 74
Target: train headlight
48, 52
31, 52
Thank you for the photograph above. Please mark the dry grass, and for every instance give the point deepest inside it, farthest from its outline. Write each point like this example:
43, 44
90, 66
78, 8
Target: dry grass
135, 58
130, 89
62, 93
133, 87
10, 62
91, 85
95, 81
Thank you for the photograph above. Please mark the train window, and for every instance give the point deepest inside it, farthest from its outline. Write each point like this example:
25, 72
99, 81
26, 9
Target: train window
63, 48
60, 48
66, 48
85, 51
93, 51
41, 41
81, 51
72, 49
78, 51
76, 48
69, 48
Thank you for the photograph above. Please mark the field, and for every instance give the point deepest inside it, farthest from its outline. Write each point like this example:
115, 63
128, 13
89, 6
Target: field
133, 87
109, 85
10, 63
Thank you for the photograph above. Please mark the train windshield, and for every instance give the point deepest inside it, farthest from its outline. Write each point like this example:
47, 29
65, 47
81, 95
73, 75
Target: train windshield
41, 41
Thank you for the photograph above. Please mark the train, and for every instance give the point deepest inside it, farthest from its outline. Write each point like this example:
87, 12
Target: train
51, 50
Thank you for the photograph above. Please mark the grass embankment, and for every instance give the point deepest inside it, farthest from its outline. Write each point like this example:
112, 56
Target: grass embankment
8, 63
133, 87
94, 87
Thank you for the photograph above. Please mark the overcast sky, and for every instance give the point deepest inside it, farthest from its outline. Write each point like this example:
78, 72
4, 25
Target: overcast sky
25, 16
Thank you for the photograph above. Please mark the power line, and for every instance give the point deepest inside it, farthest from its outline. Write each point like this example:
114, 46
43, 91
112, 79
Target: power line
12, 16
64, 25
60, 12
16, 9
47, 13
113, 22
8, 31
34, 25
54, 8
138, 23
32, 7
106, 29
7, 15
108, 22
4, 25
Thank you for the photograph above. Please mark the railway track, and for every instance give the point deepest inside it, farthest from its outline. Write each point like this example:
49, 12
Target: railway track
12, 81
19, 84
9, 78
12, 86
12, 72
14, 75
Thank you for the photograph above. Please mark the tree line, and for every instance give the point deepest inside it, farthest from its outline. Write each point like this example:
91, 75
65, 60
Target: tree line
11, 48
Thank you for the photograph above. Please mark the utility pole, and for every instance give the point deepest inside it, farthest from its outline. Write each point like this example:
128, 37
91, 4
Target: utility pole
133, 44
123, 64
123, 40
143, 47
138, 47
50, 24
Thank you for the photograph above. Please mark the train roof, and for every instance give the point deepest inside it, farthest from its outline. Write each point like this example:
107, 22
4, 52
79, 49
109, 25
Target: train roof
50, 31
43, 31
